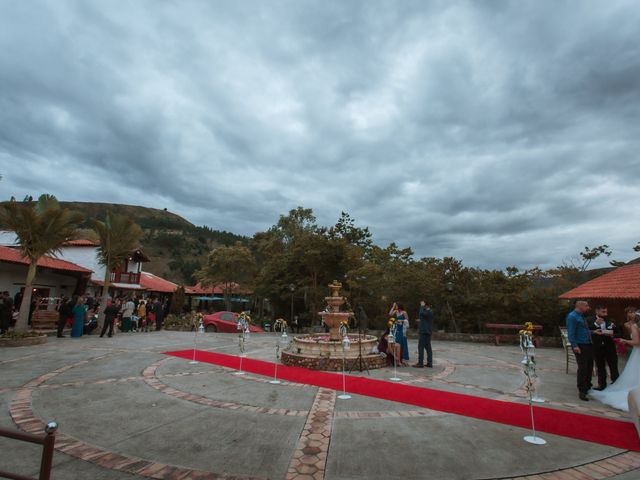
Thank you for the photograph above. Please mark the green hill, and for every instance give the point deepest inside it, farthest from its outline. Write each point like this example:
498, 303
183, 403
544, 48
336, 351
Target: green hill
176, 247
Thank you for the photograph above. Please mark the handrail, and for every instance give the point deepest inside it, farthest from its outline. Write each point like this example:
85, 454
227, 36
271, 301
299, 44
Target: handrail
47, 441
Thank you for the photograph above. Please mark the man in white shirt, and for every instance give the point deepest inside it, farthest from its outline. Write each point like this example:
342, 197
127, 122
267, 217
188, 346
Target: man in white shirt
127, 311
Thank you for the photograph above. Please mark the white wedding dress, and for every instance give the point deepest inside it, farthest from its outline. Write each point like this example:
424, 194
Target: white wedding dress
615, 395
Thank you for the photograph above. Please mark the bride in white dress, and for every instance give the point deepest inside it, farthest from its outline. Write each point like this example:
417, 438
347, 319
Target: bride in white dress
615, 395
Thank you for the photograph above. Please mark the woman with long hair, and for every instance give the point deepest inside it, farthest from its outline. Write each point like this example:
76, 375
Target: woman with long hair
79, 315
402, 328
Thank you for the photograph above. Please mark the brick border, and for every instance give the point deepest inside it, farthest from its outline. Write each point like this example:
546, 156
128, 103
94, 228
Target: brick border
309, 459
21, 411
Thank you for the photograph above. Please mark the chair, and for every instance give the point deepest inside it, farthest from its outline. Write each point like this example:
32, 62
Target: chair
570, 356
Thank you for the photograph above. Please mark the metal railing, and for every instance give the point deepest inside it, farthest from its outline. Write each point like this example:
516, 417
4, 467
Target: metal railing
47, 441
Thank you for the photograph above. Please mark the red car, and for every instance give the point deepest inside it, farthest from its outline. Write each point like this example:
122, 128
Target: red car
225, 322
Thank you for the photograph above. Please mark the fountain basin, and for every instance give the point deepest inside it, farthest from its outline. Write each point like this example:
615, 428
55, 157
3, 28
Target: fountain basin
318, 352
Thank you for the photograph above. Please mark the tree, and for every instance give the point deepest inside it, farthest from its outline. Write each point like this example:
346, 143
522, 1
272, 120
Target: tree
42, 228
177, 301
118, 236
229, 267
588, 255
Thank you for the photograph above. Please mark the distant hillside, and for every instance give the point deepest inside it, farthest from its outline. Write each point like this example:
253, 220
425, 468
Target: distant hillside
144, 216
176, 247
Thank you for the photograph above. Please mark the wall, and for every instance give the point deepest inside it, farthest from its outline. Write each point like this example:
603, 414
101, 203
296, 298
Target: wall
12, 277
86, 257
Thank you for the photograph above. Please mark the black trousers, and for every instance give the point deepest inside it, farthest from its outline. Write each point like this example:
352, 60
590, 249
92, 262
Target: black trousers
424, 342
584, 359
5, 322
108, 323
61, 323
604, 356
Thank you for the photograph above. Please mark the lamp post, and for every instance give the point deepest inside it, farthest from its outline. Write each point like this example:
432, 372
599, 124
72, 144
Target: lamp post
449, 286
292, 288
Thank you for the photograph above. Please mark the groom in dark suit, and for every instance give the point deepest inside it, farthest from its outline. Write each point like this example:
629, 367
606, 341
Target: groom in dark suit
603, 331
425, 329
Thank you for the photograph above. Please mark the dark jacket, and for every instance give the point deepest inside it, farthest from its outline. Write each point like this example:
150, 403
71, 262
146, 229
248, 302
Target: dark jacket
65, 310
603, 341
111, 312
426, 320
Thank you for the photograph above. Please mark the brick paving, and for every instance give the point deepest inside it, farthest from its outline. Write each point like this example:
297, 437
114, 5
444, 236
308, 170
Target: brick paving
310, 456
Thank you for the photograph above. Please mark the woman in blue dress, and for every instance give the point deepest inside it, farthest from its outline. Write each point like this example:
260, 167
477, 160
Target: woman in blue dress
79, 314
402, 327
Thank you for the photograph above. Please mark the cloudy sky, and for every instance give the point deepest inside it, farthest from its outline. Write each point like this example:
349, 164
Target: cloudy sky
502, 133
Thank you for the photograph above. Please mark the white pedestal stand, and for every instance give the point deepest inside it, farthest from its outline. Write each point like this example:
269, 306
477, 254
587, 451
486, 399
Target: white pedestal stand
284, 341
529, 362
200, 329
346, 345
241, 340
391, 343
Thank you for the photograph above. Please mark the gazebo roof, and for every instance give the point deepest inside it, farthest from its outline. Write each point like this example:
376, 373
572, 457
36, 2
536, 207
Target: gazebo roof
622, 283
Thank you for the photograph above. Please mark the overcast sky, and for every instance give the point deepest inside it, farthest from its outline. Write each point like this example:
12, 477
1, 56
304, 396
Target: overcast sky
501, 133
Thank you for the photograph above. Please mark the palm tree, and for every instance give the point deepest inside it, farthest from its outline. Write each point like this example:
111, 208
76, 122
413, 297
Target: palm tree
41, 228
119, 236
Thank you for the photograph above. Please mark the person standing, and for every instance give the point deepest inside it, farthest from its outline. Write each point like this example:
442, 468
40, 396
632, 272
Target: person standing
158, 310
6, 312
603, 331
402, 329
616, 395
110, 314
79, 314
65, 312
581, 343
142, 316
425, 329
127, 311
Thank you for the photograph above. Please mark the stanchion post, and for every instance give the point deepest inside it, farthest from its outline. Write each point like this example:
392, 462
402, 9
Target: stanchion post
346, 345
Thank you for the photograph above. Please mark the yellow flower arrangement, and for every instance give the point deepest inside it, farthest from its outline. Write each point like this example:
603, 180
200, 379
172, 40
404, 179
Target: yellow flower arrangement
528, 329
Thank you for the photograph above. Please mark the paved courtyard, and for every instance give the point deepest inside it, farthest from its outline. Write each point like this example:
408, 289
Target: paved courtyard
127, 411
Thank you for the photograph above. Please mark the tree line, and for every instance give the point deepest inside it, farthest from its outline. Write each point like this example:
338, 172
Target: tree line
295, 260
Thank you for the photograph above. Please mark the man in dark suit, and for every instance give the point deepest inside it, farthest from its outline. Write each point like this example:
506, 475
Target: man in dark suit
425, 329
6, 311
603, 331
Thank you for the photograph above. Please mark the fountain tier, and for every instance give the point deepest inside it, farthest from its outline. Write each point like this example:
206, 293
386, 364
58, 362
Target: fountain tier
325, 352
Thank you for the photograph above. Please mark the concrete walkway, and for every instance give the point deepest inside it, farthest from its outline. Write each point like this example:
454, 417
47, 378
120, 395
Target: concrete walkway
127, 411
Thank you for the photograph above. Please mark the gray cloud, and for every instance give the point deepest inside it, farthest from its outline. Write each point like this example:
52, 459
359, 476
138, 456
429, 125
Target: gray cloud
498, 132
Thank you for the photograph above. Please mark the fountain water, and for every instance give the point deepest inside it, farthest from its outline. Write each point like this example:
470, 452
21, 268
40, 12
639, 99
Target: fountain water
325, 352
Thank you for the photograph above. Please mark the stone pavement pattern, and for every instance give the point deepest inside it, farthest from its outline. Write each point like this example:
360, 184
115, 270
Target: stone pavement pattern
127, 411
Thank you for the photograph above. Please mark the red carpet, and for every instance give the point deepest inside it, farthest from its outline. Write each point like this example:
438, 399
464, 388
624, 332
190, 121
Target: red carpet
605, 431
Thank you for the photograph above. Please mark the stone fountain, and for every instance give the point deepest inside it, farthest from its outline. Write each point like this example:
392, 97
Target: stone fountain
325, 352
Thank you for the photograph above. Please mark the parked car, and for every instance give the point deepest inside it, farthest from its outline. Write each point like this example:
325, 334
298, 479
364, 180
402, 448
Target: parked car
225, 322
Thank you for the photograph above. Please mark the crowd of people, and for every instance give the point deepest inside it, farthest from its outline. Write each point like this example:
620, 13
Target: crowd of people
128, 314
598, 340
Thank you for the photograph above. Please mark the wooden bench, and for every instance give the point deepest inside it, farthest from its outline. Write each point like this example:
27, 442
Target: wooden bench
500, 327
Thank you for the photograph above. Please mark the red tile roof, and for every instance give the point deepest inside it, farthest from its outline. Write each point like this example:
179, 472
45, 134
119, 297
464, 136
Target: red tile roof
13, 255
623, 282
81, 242
153, 283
